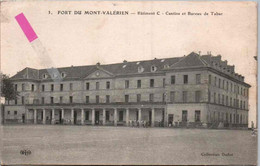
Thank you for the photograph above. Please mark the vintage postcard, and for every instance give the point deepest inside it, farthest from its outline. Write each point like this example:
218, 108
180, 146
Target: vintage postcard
128, 82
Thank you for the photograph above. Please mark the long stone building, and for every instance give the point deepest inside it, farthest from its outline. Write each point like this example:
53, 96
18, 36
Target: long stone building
193, 89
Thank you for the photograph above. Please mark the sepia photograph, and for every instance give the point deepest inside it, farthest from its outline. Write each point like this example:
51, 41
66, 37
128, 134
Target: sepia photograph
128, 83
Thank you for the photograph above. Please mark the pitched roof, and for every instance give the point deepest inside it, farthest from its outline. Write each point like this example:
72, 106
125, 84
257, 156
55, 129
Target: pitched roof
189, 61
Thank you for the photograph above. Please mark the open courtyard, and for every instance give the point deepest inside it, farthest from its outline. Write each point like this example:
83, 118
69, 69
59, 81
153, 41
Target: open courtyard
56, 144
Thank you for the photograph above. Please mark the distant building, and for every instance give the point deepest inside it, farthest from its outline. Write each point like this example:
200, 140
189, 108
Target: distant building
192, 89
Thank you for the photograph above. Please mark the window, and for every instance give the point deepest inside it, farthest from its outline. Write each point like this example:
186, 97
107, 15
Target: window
61, 87
15, 112
223, 84
140, 69
71, 99
197, 96
172, 79
234, 102
172, 96
231, 87
244, 106
108, 85
151, 97
32, 87
87, 115
22, 87
97, 98
226, 100
230, 102
52, 87
43, 88
151, 83
121, 116
215, 82
45, 76
241, 104
210, 79
15, 87
164, 82
184, 96
87, 86
223, 100
22, 99
15, 101
215, 96
87, 99
52, 100
138, 97
71, 86
227, 86
153, 68
107, 99
107, 115
63, 75
126, 98
197, 116
97, 85
126, 84
8, 112
139, 84
209, 97
43, 100
184, 115
219, 83
61, 99
218, 98
163, 97
185, 79
198, 78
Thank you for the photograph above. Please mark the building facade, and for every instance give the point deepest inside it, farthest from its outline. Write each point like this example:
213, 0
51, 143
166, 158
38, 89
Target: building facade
189, 90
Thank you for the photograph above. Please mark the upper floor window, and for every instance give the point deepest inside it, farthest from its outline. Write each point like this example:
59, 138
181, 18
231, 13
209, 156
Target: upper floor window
223, 84
138, 97
209, 79
61, 87
15, 112
172, 96
87, 86
198, 79
87, 99
184, 96
227, 86
71, 99
108, 85
185, 79
15, 101
126, 84
52, 87
197, 96
215, 81
32, 87
61, 99
215, 96
126, 98
71, 86
52, 100
42, 100
219, 82
107, 99
15, 87
151, 83
43, 88
231, 87
172, 79
97, 98
97, 85
153, 68
151, 97
22, 99
139, 84
140, 69
23, 87
163, 82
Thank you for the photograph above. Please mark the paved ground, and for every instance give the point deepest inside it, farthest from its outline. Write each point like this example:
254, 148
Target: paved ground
123, 145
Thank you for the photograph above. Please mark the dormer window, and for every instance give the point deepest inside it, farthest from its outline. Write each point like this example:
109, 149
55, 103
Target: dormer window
44, 76
140, 69
153, 68
166, 66
63, 74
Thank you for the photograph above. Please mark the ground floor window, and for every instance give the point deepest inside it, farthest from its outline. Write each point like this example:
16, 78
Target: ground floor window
87, 115
184, 116
121, 115
197, 116
107, 115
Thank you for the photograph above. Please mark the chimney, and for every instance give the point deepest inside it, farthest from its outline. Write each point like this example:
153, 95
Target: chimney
125, 61
98, 64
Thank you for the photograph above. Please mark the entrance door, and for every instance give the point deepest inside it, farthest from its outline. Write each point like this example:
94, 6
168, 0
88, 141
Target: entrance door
23, 118
170, 119
121, 115
60, 116
75, 117
150, 118
137, 116
96, 117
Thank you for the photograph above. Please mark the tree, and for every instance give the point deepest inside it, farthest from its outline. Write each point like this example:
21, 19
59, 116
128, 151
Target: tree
7, 89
